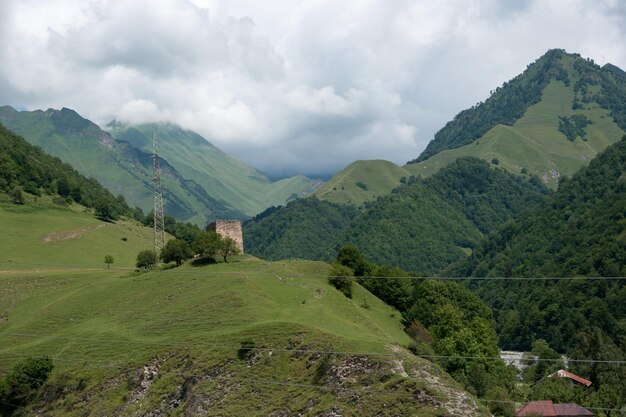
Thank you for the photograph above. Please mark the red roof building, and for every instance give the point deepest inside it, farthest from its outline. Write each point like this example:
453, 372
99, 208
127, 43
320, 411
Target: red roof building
562, 373
548, 409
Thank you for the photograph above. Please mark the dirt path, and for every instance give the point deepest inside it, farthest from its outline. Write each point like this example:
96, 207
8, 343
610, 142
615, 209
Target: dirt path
70, 234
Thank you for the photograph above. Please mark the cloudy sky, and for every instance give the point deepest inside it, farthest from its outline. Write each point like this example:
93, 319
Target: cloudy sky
290, 86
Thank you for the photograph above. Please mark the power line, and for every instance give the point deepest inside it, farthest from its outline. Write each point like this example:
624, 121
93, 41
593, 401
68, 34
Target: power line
248, 274
307, 351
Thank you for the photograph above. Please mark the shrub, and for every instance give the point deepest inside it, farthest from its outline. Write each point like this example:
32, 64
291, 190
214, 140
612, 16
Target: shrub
246, 348
25, 378
495, 161
146, 259
341, 277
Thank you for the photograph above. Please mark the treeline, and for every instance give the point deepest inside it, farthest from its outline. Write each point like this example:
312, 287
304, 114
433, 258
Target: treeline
423, 225
505, 105
26, 168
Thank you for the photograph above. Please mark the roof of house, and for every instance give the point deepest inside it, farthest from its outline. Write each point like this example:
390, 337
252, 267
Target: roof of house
565, 374
548, 409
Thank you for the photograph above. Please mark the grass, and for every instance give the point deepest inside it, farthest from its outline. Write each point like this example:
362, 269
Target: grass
104, 328
362, 181
40, 235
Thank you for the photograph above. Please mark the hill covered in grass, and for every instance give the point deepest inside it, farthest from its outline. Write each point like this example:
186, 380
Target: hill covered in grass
239, 185
245, 338
423, 225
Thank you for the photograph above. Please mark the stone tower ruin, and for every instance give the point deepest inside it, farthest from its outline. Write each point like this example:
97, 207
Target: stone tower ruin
228, 228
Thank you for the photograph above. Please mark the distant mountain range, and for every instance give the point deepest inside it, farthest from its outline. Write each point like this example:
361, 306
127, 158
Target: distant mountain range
549, 121
200, 183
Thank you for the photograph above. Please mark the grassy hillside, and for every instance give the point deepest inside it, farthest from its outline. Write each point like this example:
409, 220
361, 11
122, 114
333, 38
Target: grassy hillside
239, 185
42, 235
118, 166
535, 143
168, 343
362, 181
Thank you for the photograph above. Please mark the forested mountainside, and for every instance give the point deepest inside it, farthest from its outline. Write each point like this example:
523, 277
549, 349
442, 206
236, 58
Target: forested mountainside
423, 225
579, 231
591, 83
26, 168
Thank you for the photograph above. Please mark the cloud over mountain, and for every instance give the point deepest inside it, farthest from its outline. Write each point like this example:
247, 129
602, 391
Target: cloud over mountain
303, 86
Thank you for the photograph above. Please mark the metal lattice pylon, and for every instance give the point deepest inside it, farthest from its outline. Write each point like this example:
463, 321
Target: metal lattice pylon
157, 208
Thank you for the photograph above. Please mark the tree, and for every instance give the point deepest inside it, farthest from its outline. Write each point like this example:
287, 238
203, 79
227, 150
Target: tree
207, 245
105, 211
108, 259
341, 277
146, 259
176, 250
25, 378
350, 256
17, 196
227, 247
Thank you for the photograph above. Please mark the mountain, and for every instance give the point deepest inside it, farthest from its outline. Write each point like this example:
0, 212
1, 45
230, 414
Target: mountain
423, 225
549, 121
119, 166
237, 184
578, 231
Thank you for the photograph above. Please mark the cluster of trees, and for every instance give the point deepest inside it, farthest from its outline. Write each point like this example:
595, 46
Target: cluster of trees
423, 225
22, 382
574, 126
207, 245
505, 105
25, 168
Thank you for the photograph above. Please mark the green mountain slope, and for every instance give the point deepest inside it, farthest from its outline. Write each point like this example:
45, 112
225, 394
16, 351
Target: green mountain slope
527, 125
117, 165
580, 230
421, 226
170, 343
239, 185
362, 181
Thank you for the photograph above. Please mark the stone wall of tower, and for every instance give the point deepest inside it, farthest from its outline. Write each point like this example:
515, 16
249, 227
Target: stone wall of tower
228, 228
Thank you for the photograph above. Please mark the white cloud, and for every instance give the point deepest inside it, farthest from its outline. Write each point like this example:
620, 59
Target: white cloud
291, 87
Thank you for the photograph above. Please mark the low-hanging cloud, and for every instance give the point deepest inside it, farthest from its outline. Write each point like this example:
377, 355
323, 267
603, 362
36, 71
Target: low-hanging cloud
290, 87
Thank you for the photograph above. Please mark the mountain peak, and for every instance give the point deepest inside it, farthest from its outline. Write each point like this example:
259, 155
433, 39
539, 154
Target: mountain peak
508, 103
